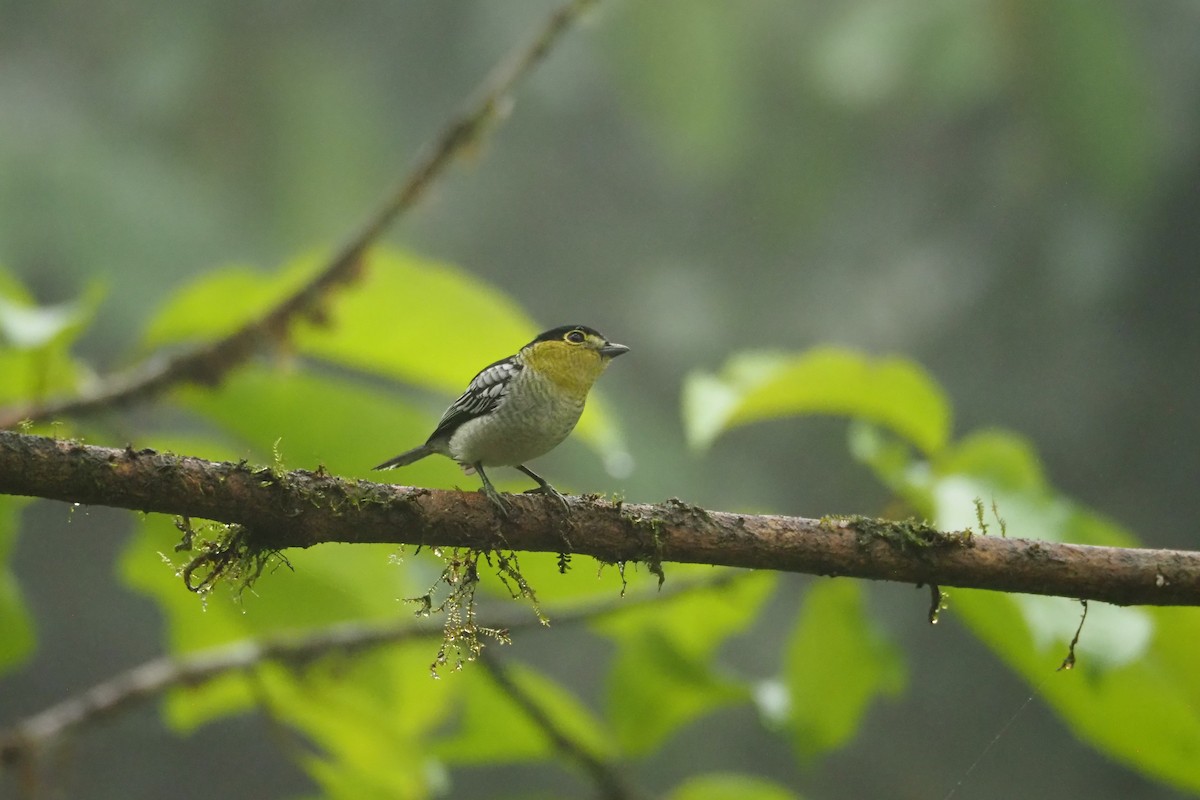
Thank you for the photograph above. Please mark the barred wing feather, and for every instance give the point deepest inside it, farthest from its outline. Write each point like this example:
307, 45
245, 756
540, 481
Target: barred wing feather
483, 395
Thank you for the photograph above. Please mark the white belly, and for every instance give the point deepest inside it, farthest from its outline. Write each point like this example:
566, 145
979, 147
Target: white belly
529, 424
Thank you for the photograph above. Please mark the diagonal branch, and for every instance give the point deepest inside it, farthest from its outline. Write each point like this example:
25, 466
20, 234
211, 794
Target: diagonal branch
24, 741
301, 509
606, 775
209, 363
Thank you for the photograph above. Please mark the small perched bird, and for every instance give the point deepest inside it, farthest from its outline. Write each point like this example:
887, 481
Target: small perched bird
520, 407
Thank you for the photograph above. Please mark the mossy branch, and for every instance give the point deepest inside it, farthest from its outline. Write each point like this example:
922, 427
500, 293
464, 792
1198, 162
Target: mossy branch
209, 363
301, 509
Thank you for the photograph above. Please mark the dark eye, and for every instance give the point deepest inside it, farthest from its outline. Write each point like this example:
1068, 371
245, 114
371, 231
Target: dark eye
575, 337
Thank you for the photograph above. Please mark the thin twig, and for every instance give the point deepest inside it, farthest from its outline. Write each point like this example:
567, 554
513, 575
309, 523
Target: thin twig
1069, 661
152, 678
604, 774
208, 363
35, 734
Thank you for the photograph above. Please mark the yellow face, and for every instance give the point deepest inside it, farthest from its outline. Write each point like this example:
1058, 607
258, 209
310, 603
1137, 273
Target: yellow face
574, 360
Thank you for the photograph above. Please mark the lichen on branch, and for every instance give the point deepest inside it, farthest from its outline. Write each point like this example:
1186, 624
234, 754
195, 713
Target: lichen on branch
303, 508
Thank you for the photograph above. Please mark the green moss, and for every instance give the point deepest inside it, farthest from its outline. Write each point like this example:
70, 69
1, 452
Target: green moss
647, 527
462, 635
910, 535
277, 465
979, 520
983, 525
227, 557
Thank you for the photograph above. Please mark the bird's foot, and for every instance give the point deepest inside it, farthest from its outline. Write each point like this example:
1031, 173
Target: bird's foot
499, 502
547, 489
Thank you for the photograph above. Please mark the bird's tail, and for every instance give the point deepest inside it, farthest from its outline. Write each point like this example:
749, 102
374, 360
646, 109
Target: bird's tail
406, 458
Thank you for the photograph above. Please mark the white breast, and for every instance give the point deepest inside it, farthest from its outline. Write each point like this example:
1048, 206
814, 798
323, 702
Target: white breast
530, 422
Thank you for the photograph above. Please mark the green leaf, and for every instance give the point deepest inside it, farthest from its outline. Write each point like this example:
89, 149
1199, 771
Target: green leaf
13, 289
35, 341
371, 714
403, 318
753, 387
664, 675
889, 457
1002, 470
425, 322
656, 687
32, 375
1004, 459
223, 300
433, 325
836, 665
27, 326
730, 786
1134, 693
701, 619
187, 709
494, 729
325, 584
17, 640
311, 420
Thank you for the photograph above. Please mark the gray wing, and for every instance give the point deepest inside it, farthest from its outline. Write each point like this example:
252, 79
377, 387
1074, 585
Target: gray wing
483, 395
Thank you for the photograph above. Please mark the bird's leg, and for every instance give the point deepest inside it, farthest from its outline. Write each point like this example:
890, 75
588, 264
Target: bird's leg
490, 491
544, 487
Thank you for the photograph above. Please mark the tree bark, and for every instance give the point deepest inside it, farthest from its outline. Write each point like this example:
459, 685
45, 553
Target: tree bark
279, 510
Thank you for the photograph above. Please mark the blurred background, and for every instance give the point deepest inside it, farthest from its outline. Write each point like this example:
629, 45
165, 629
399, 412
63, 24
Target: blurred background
1006, 191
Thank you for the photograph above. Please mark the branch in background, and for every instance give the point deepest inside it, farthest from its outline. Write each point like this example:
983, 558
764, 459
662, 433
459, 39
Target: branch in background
30, 737
26, 740
603, 773
301, 509
209, 363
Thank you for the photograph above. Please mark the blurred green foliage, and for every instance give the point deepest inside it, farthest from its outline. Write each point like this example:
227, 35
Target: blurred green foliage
1000, 190
730, 787
17, 641
837, 665
666, 672
1138, 700
35, 342
756, 386
399, 298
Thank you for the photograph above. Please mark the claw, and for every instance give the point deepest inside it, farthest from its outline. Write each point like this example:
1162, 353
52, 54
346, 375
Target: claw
547, 489
499, 502
489, 490
544, 487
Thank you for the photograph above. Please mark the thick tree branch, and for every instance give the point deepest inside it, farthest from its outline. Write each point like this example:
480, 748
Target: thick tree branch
301, 509
208, 364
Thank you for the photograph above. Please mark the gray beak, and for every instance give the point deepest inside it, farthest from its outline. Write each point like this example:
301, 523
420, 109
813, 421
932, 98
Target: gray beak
611, 350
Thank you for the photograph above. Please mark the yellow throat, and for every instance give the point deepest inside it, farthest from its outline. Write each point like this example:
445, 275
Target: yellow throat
574, 368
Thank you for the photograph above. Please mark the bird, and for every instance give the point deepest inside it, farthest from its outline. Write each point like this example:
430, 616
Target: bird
520, 407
